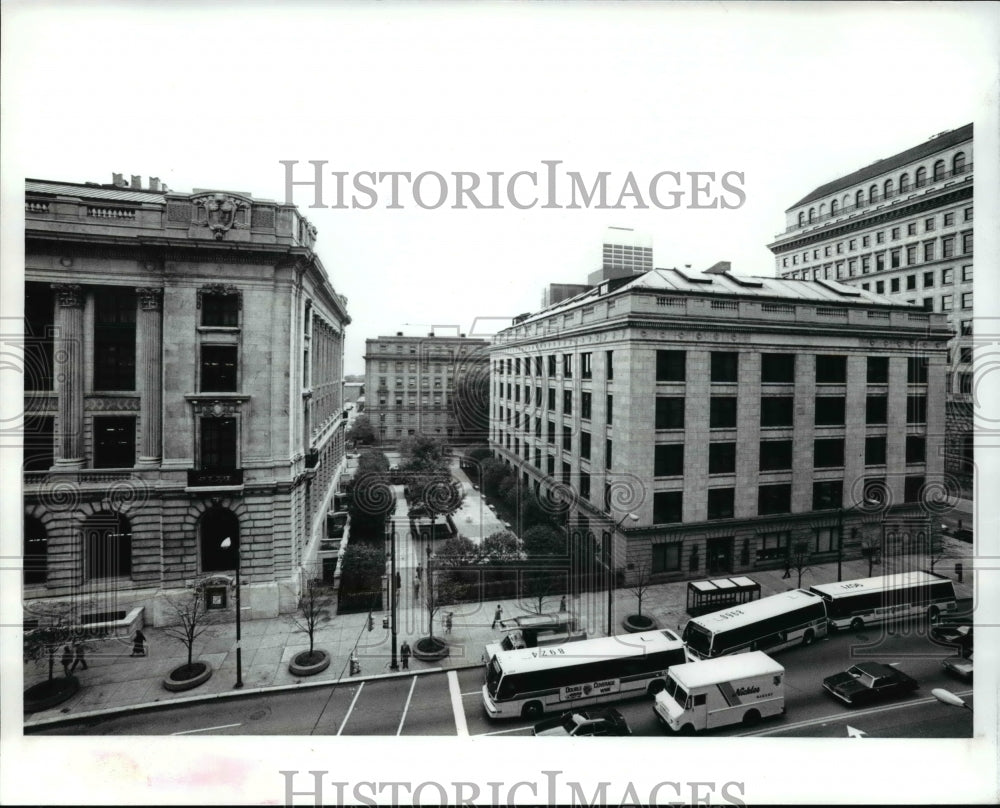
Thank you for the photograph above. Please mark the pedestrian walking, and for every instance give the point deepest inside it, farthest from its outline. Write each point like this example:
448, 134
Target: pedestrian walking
562, 604
788, 569
138, 644
416, 587
78, 657
420, 571
497, 615
404, 653
399, 579
447, 622
958, 571
67, 660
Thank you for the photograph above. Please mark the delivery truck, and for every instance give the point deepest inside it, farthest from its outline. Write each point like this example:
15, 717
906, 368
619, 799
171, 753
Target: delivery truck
743, 688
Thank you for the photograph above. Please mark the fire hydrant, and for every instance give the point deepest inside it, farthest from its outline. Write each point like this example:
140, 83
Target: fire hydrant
355, 664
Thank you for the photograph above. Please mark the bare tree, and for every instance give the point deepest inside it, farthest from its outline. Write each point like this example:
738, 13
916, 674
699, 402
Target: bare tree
871, 550
315, 608
799, 559
640, 585
193, 618
56, 625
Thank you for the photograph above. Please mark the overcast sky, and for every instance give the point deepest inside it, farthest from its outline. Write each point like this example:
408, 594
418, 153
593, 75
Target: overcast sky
790, 96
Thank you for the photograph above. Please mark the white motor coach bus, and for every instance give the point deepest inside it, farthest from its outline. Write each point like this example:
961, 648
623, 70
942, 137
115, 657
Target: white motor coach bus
867, 601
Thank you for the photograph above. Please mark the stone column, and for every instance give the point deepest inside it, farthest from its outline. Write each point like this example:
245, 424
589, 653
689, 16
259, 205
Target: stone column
69, 373
150, 323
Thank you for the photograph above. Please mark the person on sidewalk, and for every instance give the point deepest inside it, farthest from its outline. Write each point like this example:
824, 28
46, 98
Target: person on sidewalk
66, 660
447, 622
78, 657
497, 615
404, 653
420, 571
416, 587
138, 644
958, 571
788, 569
562, 604
399, 580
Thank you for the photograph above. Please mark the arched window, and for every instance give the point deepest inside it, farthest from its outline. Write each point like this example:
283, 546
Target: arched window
802, 218
904, 183
921, 179
846, 203
107, 546
859, 199
873, 193
36, 551
216, 525
938, 170
887, 189
812, 214
834, 207
958, 163
822, 209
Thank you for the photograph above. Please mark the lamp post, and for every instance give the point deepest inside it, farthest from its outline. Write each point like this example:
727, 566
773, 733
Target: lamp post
430, 588
393, 594
226, 544
609, 552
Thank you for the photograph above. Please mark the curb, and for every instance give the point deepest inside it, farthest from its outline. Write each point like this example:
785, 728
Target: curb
152, 706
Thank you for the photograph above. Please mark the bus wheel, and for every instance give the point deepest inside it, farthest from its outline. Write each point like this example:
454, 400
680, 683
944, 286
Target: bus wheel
857, 624
808, 637
751, 718
655, 687
531, 710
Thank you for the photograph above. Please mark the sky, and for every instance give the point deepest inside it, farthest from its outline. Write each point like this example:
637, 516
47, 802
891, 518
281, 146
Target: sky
216, 95
204, 96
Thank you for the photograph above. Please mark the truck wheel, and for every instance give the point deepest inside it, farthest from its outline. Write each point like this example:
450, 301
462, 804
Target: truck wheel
531, 710
751, 718
687, 729
857, 624
655, 687
808, 637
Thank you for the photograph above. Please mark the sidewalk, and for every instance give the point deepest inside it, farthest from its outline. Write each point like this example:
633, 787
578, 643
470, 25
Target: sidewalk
115, 681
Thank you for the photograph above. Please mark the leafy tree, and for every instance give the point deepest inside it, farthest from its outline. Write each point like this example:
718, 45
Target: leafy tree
543, 541
362, 568
371, 497
193, 618
493, 473
362, 432
315, 607
457, 566
56, 627
422, 453
501, 546
441, 590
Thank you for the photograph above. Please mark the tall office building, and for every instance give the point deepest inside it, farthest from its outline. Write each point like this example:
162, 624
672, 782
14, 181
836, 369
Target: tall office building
737, 418
183, 385
901, 227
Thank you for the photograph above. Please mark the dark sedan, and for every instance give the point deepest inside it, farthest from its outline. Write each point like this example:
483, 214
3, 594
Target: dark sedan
584, 722
867, 682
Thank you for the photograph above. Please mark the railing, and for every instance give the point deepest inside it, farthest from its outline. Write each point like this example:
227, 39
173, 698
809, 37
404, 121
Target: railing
36, 207
202, 478
111, 213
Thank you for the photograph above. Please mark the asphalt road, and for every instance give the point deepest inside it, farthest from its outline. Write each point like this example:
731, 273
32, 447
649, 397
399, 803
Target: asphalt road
451, 703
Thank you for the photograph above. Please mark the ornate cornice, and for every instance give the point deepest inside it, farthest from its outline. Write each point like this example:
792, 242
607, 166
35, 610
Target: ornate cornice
220, 289
220, 213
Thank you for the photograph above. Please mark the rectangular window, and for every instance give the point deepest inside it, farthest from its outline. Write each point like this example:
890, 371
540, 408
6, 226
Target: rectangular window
551, 366
551, 433
585, 445
585, 406
947, 276
967, 300
607, 453
875, 451
114, 442
878, 369
773, 499
584, 485
566, 472
916, 449
866, 264
666, 557
38, 443
828, 494
670, 366
948, 247
722, 458
831, 369
775, 455
895, 234
967, 243
776, 411
895, 259
916, 370
538, 366
916, 409
876, 409
667, 507
220, 310
609, 360
829, 410
550, 466
720, 503
828, 453
610, 407
965, 354
928, 280
218, 368
669, 460
39, 339
912, 487
567, 439
114, 339
724, 366
928, 251
586, 369
826, 539
552, 399
218, 444
567, 366
777, 368
567, 402
722, 412
538, 396
669, 412
773, 546
911, 255
911, 283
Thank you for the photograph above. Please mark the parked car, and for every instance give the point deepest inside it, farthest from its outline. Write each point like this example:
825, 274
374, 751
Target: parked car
867, 682
605, 722
960, 666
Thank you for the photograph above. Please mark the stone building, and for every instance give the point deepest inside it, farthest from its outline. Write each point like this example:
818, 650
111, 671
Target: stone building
183, 384
736, 418
901, 227
411, 385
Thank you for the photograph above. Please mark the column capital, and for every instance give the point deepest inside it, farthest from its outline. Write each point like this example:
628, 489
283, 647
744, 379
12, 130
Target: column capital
69, 295
150, 297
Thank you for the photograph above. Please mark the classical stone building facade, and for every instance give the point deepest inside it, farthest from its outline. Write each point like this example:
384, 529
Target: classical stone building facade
901, 227
183, 384
736, 418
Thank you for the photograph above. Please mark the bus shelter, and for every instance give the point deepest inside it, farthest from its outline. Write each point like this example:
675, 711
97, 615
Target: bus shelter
720, 593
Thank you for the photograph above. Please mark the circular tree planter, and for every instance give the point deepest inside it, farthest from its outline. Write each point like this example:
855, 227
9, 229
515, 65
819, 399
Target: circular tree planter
638, 622
187, 676
430, 649
50, 693
309, 663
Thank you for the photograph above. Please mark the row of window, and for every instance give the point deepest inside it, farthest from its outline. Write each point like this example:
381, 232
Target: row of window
440, 368
551, 363
914, 254
886, 189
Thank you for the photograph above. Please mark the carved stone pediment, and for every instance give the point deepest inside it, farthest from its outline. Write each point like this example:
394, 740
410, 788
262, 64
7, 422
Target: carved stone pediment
220, 213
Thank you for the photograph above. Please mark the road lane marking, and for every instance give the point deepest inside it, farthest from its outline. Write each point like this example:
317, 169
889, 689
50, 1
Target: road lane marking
473, 693
406, 707
351, 708
461, 728
832, 719
504, 731
206, 729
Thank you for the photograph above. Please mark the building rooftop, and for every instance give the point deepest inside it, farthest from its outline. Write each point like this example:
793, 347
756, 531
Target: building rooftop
936, 144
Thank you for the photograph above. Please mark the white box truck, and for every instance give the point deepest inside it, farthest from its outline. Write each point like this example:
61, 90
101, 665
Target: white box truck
716, 692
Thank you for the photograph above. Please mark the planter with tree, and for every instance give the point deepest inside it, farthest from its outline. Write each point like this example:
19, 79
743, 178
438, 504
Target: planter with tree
193, 619
42, 643
315, 606
640, 585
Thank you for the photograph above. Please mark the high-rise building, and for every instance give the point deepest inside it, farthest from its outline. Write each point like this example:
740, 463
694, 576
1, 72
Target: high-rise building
183, 385
737, 418
901, 227
426, 386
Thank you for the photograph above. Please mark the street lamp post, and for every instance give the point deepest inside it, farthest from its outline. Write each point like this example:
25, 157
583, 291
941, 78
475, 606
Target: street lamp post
609, 552
226, 544
393, 594
430, 588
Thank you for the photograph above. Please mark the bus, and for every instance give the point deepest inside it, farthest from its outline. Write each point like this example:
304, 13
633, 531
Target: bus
531, 630
530, 681
796, 616
866, 601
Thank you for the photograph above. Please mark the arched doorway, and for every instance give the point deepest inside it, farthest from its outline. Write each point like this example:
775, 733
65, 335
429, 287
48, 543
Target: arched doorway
36, 551
107, 546
216, 525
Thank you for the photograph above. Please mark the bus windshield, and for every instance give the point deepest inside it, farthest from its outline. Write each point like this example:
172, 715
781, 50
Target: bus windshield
493, 675
697, 638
